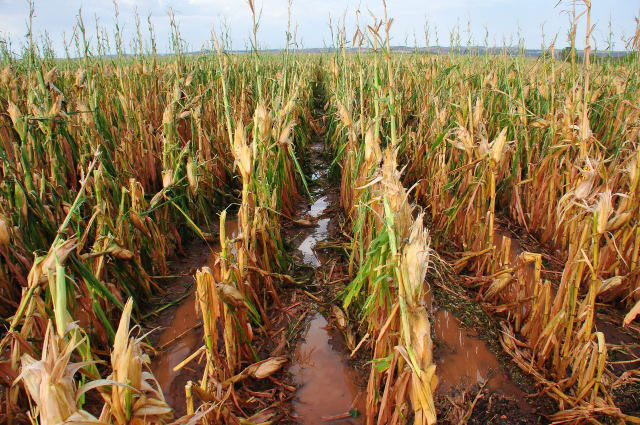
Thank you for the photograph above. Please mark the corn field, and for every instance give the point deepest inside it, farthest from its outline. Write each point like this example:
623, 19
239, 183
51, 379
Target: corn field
443, 165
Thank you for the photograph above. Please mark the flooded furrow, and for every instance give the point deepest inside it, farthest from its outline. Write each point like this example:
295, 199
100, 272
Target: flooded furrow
326, 383
180, 332
463, 359
327, 390
177, 341
320, 233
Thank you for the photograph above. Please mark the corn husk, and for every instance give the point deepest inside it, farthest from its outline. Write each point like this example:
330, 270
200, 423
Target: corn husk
80, 77
51, 76
192, 176
51, 385
231, 295
498, 146
120, 252
266, 367
242, 151
45, 266
167, 178
4, 232
142, 396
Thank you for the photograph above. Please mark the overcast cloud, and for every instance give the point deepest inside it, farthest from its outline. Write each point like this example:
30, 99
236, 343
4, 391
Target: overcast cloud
504, 19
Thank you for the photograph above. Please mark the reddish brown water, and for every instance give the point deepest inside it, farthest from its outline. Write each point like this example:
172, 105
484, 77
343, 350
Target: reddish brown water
327, 391
464, 360
177, 342
326, 384
180, 338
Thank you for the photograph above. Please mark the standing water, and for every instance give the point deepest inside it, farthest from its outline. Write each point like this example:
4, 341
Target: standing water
320, 233
327, 389
181, 334
327, 392
177, 342
464, 359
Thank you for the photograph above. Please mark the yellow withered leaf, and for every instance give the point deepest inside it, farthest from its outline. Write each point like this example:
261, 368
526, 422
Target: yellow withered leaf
14, 113
345, 116
632, 314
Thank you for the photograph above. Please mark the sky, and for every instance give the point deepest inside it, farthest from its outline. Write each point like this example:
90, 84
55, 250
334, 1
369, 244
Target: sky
505, 20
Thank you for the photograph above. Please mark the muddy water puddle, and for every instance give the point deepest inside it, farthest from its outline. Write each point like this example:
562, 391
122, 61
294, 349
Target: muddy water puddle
320, 231
327, 392
464, 360
319, 206
176, 343
317, 147
319, 174
181, 335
